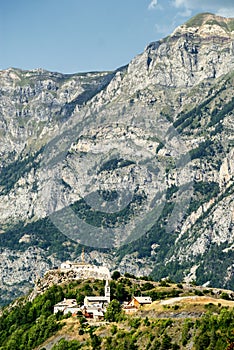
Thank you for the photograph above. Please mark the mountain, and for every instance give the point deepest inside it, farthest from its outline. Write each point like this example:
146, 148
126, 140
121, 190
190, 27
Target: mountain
136, 165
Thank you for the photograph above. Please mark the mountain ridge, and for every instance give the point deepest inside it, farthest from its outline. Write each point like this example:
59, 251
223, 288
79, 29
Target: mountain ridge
183, 83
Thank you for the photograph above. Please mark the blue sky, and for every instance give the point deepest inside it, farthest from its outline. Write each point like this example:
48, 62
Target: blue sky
87, 35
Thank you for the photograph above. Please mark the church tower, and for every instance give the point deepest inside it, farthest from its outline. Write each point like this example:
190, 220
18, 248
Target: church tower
107, 290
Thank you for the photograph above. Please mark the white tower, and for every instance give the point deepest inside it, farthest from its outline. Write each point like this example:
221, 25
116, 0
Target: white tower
107, 290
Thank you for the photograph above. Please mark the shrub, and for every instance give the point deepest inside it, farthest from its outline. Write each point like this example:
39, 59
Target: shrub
163, 283
114, 312
225, 296
115, 275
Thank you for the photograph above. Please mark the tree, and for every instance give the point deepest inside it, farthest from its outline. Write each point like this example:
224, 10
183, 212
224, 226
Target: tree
66, 345
113, 311
115, 275
95, 341
202, 342
166, 342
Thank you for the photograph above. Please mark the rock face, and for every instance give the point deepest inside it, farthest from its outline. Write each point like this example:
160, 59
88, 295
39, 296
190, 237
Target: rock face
136, 164
63, 276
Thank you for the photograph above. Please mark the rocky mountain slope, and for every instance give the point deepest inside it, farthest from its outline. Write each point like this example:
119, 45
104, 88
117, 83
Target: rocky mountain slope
136, 164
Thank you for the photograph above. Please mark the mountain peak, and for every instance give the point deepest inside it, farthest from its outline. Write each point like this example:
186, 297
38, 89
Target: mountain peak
210, 19
207, 24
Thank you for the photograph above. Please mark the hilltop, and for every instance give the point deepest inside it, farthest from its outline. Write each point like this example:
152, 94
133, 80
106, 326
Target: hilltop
181, 317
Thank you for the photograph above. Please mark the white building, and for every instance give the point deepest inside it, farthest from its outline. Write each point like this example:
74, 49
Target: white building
65, 305
96, 313
84, 270
72, 309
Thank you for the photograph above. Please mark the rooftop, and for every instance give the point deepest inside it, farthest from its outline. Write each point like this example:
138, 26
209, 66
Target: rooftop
67, 302
96, 298
143, 300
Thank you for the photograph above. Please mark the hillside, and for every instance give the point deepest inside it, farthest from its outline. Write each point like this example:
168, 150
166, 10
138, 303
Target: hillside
136, 165
194, 318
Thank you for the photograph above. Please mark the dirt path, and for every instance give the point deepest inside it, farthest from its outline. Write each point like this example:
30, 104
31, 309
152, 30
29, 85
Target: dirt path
196, 300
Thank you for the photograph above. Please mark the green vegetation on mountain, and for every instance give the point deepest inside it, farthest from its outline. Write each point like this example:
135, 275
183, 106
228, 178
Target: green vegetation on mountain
211, 19
115, 163
28, 324
205, 111
43, 234
15, 170
198, 20
103, 219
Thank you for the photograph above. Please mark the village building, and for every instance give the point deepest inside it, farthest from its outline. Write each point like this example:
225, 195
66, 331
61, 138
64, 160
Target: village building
98, 315
84, 270
66, 306
128, 309
135, 303
97, 301
139, 301
72, 309
93, 312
